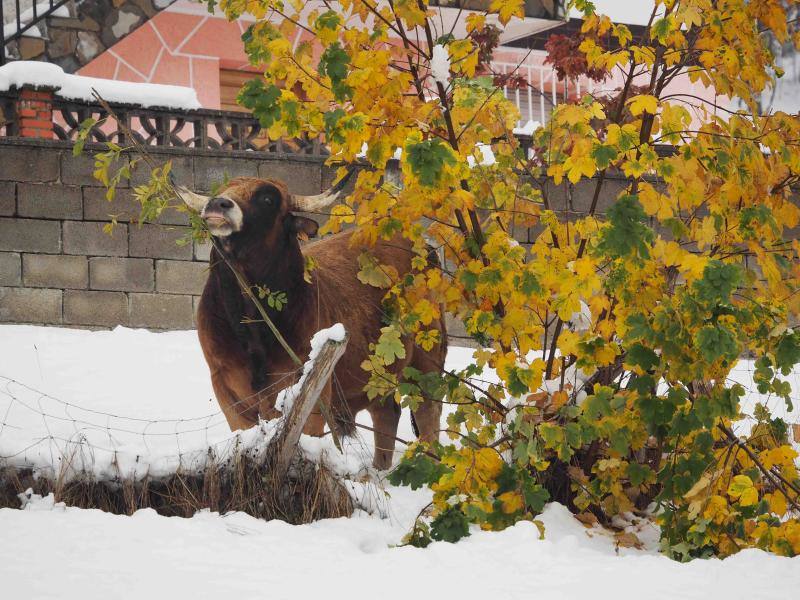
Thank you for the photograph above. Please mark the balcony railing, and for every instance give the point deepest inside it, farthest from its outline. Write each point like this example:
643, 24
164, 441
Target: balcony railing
18, 20
542, 90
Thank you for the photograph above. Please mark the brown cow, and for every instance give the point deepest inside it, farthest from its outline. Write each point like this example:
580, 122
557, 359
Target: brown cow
256, 231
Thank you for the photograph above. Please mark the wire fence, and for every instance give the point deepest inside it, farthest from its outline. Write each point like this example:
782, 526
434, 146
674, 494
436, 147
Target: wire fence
39, 430
63, 438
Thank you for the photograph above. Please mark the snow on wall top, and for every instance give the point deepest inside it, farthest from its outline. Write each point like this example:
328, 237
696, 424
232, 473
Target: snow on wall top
77, 87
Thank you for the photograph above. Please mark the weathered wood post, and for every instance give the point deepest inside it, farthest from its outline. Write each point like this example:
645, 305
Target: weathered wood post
307, 398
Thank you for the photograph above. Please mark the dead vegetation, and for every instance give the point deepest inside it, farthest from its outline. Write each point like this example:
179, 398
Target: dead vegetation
244, 482
269, 481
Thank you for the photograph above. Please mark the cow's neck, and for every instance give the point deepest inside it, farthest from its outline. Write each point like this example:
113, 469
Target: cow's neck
262, 268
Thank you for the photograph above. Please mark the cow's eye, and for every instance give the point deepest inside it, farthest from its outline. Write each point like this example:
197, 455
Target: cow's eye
267, 195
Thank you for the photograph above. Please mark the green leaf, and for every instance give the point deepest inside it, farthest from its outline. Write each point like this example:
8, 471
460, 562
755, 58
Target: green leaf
627, 233
390, 345
716, 342
642, 357
603, 155
660, 29
263, 100
331, 121
535, 495
787, 352
718, 282
427, 160
638, 474
528, 283
450, 526
370, 272
598, 404
469, 280
84, 131
417, 471
328, 20
333, 63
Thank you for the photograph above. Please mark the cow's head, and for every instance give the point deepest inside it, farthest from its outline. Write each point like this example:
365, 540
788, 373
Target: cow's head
254, 209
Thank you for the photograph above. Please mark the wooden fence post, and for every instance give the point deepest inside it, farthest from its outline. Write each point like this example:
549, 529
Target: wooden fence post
287, 439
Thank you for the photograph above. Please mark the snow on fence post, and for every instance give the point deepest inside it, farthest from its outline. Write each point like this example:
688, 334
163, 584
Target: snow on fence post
35, 112
306, 399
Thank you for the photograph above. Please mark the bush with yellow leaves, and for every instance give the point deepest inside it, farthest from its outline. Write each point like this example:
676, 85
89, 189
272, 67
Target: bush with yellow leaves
612, 335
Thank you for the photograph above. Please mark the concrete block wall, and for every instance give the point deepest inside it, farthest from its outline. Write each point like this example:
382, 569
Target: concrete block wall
58, 265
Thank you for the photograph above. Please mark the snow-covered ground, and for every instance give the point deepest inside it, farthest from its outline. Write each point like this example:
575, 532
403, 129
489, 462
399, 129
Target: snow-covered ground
144, 397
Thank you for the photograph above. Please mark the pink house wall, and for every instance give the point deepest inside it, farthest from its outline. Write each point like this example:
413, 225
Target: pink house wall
185, 45
181, 45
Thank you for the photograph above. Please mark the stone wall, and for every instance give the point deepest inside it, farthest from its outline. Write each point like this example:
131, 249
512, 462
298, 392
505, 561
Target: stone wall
91, 27
58, 266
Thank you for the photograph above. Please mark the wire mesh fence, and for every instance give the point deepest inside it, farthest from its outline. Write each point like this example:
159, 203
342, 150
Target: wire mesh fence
42, 431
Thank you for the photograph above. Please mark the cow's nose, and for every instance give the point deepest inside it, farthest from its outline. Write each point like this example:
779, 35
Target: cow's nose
220, 204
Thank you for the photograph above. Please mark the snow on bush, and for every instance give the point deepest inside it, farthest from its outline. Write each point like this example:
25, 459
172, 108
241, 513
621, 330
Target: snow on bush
440, 65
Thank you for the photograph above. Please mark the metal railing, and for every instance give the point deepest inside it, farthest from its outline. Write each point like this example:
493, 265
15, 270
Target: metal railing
23, 21
543, 90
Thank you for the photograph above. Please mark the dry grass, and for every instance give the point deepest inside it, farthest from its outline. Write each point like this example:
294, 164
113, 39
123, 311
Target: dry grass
244, 482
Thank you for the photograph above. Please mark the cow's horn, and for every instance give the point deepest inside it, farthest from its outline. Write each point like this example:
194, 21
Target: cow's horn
194, 201
323, 200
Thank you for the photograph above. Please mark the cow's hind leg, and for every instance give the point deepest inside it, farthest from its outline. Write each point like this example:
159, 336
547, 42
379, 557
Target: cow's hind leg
385, 418
428, 414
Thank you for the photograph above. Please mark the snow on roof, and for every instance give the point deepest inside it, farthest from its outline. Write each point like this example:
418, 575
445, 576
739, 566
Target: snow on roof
77, 87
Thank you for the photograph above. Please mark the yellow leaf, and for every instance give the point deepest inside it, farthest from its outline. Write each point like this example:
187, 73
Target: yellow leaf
698, 487
643, 103
426, 310
580, 167
559, 399
475, 20
777, 503
488, 463
374, 274
506, 9
749, 497
512, 502
716, 509
654, 204
427, 339
741, 487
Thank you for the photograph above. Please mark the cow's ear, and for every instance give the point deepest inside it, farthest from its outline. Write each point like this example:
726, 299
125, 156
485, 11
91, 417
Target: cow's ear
303, 226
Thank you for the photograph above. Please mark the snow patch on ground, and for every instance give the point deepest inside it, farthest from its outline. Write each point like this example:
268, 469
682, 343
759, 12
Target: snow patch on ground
91, 555
52, 551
